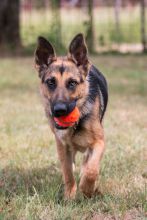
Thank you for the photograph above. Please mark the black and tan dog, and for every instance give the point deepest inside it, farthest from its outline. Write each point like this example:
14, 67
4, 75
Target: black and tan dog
67, 82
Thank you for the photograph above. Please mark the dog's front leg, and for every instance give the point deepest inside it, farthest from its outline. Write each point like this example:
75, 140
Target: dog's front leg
90, 169
66, 159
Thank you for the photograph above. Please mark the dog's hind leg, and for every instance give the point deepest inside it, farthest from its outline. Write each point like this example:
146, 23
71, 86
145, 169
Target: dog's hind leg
90, 169
65, 156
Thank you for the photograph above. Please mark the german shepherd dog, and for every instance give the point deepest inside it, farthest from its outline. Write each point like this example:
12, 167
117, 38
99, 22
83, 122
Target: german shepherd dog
67, 82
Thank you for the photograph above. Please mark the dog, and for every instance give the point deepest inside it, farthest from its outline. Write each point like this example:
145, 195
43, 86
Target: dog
69, 82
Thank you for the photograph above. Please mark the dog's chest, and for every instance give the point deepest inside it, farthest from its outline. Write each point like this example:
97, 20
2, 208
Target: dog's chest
64, 136
77, 140
82, 140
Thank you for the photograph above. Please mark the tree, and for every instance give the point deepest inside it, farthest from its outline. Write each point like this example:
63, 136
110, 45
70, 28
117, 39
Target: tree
56, 23
117, 18
143, 26
9, 24
90, 28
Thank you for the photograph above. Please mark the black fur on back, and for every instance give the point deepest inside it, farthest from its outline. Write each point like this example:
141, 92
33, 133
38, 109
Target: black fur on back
98, 87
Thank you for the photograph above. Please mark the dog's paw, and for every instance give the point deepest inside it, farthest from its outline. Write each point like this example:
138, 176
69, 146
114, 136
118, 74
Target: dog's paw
70, 192
87, 187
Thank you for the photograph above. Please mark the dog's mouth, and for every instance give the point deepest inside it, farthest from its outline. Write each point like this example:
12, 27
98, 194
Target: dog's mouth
60, 127
64, 122
63, 127
65, 115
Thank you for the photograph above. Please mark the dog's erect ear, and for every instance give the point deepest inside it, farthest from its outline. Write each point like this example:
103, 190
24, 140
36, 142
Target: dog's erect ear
78, 50
44, 53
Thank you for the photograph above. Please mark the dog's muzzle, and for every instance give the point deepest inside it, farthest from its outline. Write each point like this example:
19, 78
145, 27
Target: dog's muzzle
62, 108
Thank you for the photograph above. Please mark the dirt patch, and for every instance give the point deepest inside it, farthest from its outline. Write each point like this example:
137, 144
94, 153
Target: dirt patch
130, 215
103, 217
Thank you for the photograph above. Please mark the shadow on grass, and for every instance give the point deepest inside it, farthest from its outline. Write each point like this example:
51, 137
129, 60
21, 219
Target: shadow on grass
44, 182
45, 185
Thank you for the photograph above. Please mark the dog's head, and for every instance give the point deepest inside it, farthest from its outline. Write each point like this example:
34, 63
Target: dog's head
63, 79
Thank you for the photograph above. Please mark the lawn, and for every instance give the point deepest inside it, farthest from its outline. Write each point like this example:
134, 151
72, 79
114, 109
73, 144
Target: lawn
30, 178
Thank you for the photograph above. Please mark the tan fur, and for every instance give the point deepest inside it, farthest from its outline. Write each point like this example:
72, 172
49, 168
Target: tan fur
90, 139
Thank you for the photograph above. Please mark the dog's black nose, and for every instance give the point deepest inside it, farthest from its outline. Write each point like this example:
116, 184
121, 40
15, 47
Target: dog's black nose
60, 109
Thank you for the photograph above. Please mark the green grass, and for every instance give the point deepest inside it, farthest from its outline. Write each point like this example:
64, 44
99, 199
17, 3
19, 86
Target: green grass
30, 178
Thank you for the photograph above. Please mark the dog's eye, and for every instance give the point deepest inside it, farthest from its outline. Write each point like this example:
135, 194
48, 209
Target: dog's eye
72, 84
51, 83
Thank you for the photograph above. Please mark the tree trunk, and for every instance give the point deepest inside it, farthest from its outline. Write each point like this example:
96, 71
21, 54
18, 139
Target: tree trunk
9, 24
117, 18
90, 28
143, 26
56, 23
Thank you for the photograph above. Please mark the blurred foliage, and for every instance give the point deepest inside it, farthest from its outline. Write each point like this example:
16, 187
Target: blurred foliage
40, 22
56, 25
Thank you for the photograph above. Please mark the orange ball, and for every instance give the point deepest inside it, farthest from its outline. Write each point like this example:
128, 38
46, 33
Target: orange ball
68, 120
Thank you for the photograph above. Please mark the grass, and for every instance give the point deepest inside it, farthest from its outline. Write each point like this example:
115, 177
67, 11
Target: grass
30, 178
